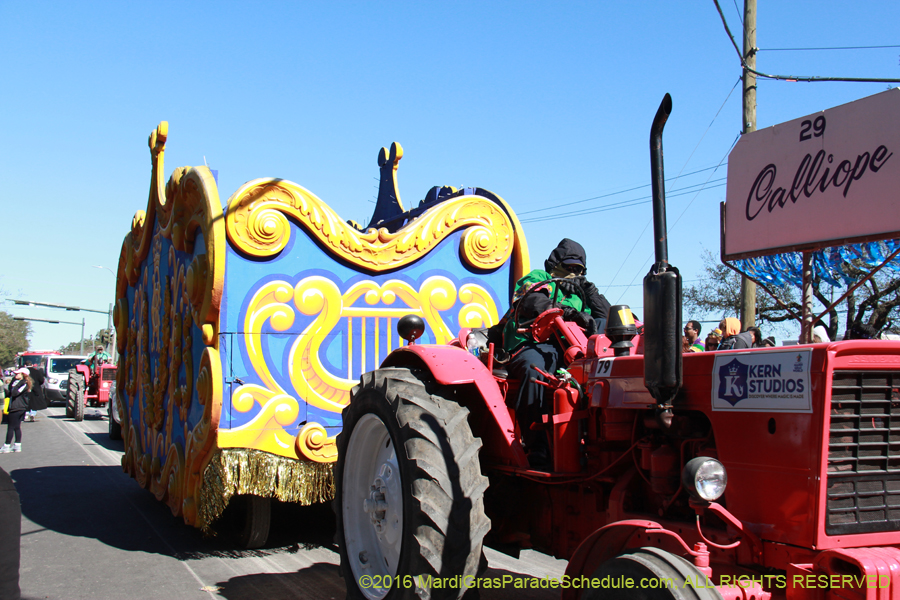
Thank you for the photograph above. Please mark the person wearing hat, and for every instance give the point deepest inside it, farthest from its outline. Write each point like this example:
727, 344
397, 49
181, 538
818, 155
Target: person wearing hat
19, 392
713, 339
99, 357
561, 283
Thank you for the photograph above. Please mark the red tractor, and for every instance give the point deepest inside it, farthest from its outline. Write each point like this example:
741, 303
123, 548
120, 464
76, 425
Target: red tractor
737, 474
88, 387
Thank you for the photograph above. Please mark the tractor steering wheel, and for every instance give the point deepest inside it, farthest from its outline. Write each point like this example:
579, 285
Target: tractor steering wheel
539, 287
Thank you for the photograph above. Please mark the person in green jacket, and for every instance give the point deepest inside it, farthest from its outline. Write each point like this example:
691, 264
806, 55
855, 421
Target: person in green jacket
562, 283
99, 357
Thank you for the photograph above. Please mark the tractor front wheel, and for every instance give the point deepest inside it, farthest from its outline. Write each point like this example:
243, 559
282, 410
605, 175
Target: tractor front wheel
661, 575
70, 393
76, 397
409, 495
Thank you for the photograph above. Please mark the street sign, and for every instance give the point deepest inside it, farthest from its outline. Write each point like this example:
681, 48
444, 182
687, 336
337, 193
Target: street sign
826, 179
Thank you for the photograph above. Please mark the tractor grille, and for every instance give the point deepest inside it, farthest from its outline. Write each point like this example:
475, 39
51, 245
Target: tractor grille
864, 453
109, 374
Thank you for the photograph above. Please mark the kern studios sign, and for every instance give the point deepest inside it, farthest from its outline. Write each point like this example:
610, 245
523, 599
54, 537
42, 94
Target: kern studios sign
822, 180
762, 381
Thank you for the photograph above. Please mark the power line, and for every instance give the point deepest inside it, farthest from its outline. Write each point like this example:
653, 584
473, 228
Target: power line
623, 203
637, 239
669, 229
792, 78
831, 48
707, 181
526, 212
740, 17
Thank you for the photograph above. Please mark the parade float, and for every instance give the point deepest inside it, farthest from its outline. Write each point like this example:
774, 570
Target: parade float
243, 329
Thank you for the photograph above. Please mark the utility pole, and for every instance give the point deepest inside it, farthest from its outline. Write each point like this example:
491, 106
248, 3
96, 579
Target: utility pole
748, 287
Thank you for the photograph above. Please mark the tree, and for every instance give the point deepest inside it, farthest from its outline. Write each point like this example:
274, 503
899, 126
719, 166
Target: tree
13, 338
101, 337
718, 293
873, 303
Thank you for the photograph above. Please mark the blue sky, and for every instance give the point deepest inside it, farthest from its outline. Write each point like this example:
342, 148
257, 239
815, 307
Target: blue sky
542, 103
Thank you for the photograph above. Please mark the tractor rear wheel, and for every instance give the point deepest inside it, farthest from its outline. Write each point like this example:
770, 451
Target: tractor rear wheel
76, 395
409, 495
674, 578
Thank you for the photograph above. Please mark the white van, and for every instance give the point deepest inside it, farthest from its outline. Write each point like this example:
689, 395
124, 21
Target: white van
56, 367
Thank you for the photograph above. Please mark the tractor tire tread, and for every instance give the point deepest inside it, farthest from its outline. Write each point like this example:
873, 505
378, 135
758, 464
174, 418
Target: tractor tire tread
446, 535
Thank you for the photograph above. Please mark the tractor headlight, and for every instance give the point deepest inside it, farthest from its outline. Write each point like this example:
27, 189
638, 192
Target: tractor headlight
704, 478
53, 380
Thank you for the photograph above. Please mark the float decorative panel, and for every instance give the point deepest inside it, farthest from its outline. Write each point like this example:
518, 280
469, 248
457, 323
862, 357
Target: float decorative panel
242, 332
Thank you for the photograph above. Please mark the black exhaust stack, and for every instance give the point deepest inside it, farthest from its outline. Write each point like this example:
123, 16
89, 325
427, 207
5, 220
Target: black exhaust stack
662, 287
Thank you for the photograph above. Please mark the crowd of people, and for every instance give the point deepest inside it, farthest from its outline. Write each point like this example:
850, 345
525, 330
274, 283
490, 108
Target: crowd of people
726, 336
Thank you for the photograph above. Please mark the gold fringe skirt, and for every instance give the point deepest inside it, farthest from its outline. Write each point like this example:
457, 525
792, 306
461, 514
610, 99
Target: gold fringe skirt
237, 471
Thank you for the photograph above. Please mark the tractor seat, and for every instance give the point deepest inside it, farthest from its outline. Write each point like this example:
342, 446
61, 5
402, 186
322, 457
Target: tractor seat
500, 373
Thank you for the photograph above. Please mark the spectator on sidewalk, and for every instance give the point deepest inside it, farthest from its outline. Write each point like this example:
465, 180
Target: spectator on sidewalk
713, 340
757, 337
37, 401
732, 338
819, 333
19, 394
692, 337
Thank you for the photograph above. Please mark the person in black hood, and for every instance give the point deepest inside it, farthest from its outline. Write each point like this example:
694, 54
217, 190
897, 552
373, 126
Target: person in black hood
37, 392
563, 280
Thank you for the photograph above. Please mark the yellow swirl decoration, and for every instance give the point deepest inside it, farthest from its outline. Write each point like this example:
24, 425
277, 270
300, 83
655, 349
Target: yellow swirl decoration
320, 297
479, 309
256, 224
313, 443
267, 430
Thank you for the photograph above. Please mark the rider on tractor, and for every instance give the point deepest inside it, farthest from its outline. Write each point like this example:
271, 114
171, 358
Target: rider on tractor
99, 357
561, 283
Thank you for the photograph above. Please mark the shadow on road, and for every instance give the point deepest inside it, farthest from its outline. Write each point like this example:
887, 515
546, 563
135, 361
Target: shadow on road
101, 502
102, 439
305, 583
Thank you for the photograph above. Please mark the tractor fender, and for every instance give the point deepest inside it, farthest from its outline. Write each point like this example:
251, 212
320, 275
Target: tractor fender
454, 366
85, 372
605, 543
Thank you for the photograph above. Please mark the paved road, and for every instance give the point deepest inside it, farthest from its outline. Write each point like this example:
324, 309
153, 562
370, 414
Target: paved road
89, 531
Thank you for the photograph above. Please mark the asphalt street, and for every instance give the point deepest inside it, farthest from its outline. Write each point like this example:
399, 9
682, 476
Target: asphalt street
89, 531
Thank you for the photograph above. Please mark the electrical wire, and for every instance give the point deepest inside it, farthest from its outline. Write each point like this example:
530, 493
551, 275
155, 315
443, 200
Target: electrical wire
623, 204
526, 212
831, 48
792, 78
637, 239
669, 229
740, 16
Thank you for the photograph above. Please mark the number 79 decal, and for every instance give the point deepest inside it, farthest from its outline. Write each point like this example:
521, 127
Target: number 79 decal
604, 367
